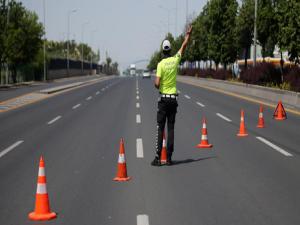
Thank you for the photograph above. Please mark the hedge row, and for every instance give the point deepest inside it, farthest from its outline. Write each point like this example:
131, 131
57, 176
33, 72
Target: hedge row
264, 74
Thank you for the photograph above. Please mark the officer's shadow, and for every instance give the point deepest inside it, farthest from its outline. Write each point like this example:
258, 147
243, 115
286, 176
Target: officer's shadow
186, 161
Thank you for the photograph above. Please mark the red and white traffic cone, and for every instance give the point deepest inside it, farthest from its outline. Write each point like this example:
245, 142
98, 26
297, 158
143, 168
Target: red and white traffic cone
261, 121
122, 169
163, 156
42, 207
242, 132
204, 140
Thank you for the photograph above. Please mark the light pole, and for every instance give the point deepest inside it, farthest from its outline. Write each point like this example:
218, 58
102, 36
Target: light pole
168, 11
92, 35
44, 9
187, 12
7, 23
68, 45
82, 40
255, 33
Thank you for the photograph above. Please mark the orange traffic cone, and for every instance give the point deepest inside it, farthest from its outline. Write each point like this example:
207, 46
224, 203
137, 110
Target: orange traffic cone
42, 207
261, 121
204, 140
243, 132
280, 113
163, 156
122, 170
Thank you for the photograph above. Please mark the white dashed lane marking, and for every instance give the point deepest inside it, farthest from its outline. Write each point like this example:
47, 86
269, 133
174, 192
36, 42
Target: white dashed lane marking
142, 220
54, 120
200, 104
223, 117
89, 98
186, 96
139, 148
10, 148
275, 147
76, 106
98, 92
138, 105
138, 118
137, 97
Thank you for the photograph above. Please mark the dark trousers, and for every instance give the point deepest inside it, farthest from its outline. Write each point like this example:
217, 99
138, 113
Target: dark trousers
167, 109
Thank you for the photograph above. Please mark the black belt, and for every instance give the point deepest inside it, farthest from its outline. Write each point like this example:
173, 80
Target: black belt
169, 96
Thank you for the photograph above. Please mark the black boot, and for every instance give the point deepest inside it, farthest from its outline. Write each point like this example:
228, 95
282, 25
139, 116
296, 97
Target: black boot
169, 160
156, 162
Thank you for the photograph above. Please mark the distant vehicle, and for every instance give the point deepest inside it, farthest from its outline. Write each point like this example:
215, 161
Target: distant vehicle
132, 70
146, 74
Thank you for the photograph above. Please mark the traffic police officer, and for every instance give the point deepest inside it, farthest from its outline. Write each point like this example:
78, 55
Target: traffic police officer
165, 81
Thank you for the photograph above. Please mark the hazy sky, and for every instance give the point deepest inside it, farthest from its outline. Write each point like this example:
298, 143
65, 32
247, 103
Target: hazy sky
129, 30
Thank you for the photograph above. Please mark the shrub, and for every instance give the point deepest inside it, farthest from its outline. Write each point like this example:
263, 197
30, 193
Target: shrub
292, 76
262, 74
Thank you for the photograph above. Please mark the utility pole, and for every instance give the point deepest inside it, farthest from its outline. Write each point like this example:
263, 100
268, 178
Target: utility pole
68, 45
255, 33
45, 71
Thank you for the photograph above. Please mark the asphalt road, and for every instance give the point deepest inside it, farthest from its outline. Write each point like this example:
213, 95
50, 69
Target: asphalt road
239, 181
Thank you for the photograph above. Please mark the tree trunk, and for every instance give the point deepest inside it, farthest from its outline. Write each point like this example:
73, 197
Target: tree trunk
246, 57
14, 75
281, 66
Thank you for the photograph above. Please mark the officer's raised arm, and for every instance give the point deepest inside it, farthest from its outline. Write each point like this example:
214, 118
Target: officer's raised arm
186, 40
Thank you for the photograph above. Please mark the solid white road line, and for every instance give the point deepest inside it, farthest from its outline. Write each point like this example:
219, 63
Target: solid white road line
89, 98
7, 150
223, 117
54, 120
138, 118
200, 104
188, 97
98, 92
137, 97
139, 148
138, 105
142, 220
275, 147
76, 106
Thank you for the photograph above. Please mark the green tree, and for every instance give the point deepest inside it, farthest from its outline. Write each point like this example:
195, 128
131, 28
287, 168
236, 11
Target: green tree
24, 37
222, 47
289, 28
266, 27
245, 27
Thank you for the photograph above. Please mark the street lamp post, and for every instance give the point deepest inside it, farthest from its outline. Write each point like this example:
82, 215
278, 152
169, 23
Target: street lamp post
92, 35
255, 33
82, 39
168, 11
44, 9
7, 23
68, 45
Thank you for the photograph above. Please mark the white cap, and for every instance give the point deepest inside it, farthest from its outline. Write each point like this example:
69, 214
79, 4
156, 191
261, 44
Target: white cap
166, 45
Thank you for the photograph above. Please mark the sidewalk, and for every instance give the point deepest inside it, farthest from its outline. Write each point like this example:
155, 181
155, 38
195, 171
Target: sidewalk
13, 91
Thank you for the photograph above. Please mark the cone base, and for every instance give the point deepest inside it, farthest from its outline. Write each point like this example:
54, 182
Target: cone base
260, 126
204, 146
44, 216
242, 135
280, 119
163, 161
122, 178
